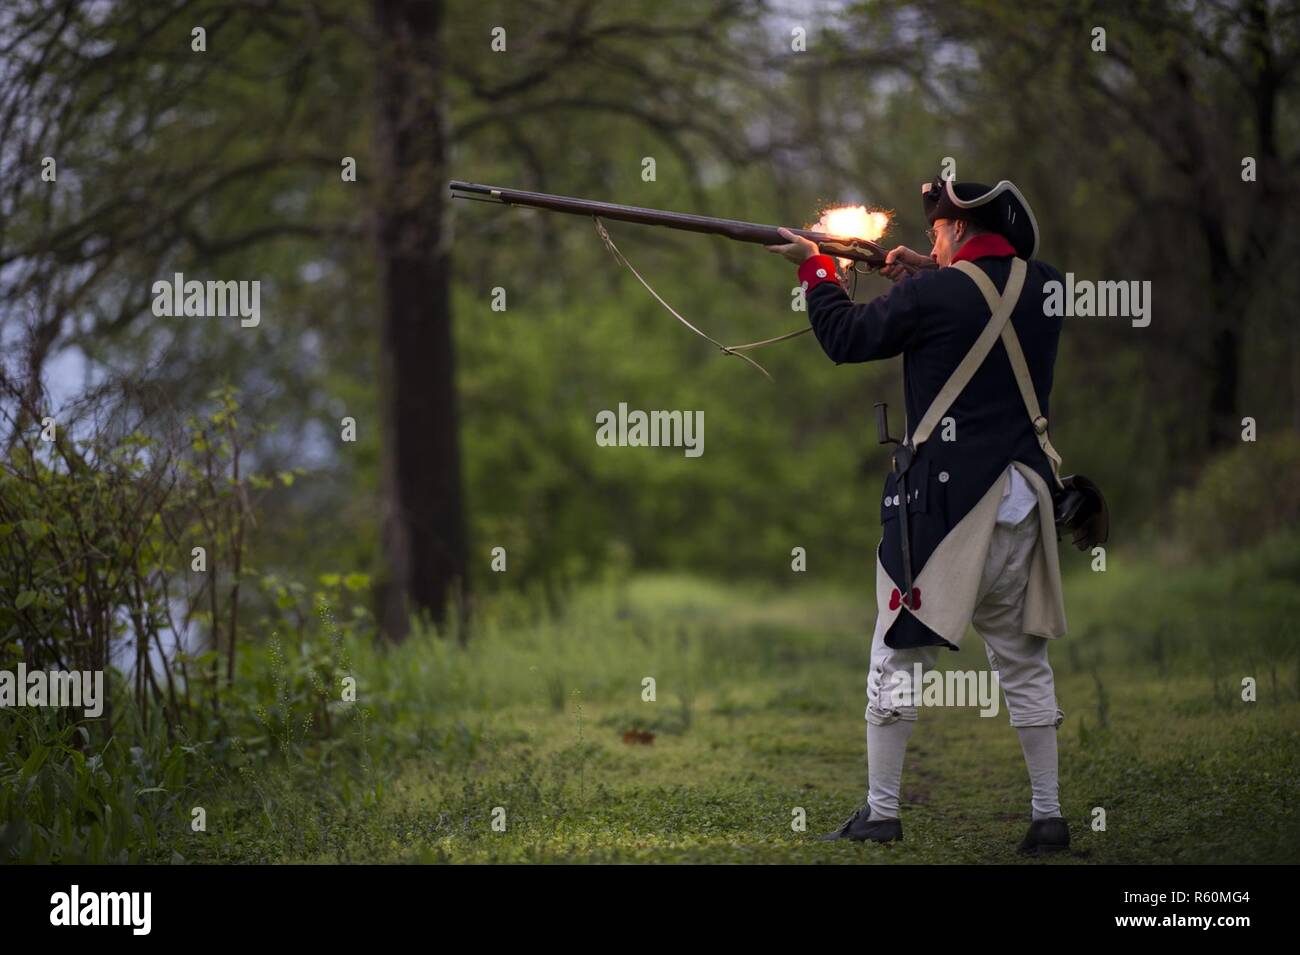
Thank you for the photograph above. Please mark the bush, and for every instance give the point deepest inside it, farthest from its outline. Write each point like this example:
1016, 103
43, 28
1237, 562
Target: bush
1243, 496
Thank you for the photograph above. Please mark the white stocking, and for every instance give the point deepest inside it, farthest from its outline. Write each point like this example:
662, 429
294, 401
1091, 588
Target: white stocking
886, 746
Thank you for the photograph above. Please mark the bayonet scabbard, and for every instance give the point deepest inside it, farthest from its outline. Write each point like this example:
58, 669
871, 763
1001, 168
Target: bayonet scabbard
902, 462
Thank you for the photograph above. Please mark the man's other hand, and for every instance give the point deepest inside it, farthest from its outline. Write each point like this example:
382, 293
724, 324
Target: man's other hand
798, 249
901, 260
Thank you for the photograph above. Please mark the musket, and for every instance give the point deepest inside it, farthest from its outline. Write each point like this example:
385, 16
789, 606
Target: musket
844, 247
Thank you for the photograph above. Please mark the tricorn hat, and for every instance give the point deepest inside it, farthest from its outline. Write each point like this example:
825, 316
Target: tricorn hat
1001, 209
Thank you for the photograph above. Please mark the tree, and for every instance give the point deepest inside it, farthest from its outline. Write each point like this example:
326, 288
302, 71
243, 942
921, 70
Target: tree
424, 523
1171, 106
178, 158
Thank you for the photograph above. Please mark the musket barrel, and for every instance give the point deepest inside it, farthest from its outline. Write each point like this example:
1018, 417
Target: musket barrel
862, 250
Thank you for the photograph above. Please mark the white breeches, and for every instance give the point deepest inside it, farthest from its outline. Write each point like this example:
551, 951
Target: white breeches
1019, 658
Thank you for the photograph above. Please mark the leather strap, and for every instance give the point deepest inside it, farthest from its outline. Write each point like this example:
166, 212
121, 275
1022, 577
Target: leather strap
725, 349
1018, 365
1001, 307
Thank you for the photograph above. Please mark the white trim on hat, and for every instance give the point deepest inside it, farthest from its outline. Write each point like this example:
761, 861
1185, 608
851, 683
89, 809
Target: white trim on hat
1006, 185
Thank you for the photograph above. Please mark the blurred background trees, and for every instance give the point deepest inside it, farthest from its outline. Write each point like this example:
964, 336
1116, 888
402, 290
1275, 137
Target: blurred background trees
474, 427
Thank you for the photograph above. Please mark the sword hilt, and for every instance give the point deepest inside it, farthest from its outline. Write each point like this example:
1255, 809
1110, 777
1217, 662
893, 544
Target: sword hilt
882, 424
903, 453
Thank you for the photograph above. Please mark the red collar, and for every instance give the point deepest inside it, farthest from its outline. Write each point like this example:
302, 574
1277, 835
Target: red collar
976, 247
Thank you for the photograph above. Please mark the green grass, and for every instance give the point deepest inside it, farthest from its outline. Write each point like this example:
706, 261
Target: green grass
759, 711
758, 714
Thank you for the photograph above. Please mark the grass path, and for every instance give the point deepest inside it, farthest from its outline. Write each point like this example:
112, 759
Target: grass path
772, 721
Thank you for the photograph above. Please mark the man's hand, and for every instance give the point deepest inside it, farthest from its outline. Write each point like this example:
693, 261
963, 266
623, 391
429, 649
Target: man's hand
901, 260
798, 249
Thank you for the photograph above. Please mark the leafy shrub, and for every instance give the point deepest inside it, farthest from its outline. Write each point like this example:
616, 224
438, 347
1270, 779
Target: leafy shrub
1243, 495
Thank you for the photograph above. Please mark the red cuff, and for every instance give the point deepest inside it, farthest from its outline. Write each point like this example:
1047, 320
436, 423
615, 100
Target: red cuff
815, 270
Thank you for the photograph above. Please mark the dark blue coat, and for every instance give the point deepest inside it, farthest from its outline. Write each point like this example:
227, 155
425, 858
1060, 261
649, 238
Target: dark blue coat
932, 318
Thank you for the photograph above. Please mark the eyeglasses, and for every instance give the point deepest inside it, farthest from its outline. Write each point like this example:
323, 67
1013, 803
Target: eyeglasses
933, 234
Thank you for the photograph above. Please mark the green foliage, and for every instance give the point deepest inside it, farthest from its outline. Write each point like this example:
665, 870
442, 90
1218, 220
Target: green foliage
1243, 495
76, 536
244, 180
65, 799
241, 173
532, 714
97, 531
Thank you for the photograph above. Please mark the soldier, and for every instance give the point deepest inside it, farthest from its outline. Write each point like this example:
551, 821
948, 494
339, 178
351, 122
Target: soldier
968, 525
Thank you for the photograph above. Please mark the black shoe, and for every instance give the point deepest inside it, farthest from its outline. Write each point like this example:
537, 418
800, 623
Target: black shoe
1046, 835
860, 827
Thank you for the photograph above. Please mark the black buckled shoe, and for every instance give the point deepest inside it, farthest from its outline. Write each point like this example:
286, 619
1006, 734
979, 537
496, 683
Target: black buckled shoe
1046, 835
860, 827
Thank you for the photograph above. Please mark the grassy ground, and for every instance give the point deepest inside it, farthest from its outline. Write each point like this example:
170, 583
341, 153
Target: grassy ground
759, 713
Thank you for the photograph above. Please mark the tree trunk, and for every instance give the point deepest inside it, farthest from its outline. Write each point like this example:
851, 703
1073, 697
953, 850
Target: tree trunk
424, 528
